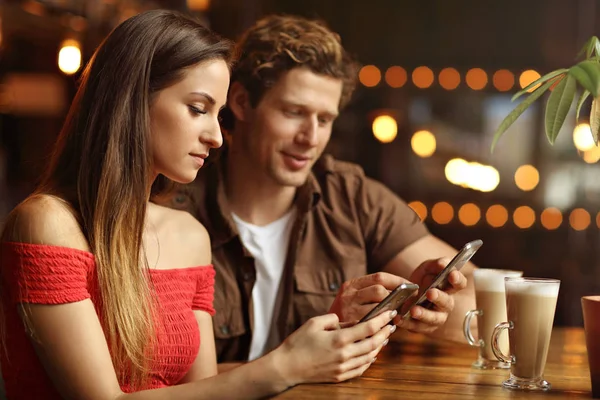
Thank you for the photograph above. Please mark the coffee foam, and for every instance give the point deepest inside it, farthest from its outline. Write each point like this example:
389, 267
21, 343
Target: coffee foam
533, 288
492, 280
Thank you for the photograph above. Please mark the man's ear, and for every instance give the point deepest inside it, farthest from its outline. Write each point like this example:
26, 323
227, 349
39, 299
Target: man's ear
238, 101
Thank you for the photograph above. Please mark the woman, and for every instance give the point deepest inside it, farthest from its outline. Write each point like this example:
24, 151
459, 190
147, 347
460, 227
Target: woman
108, 296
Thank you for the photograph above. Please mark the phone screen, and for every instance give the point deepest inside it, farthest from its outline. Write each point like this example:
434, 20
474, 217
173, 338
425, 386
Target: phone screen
393, 301
441, 281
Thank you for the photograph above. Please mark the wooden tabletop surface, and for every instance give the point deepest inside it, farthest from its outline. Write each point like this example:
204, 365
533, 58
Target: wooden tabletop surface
415, 366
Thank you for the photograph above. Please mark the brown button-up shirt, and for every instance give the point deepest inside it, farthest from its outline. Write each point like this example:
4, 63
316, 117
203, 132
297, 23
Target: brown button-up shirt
347, 225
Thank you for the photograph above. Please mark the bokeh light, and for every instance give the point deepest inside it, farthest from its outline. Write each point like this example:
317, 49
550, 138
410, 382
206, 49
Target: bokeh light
385, 128
528, 77
476, 78
496, 216
69, 56
442, 213
503, 80
469, 214
396, 76
369, 75
423, 143
524, 217
527, 177
551, 218
579, 219
422, 77
449, 78
419, 208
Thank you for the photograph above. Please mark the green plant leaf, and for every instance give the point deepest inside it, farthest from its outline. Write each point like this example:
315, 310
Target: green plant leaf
584, 95
558, 106
543, 79
518, 110
587, 74
595, 120
590, 45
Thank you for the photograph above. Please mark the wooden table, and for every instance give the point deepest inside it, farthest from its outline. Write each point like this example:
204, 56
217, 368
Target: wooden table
415, 366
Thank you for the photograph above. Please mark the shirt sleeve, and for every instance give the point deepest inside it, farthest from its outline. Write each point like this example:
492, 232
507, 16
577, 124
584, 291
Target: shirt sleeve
390, 225
205, 290
43, 274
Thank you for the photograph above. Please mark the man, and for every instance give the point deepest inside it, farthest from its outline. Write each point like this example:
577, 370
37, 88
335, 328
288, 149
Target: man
295, 234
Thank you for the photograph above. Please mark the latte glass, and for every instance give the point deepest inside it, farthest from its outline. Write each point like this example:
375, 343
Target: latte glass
491, 310
530, 306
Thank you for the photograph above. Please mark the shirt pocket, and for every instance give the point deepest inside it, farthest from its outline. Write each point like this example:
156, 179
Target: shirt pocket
315, 291
318, 285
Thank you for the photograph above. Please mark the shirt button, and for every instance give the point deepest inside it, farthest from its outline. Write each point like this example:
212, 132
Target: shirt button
248, 276
224, 329
334, 286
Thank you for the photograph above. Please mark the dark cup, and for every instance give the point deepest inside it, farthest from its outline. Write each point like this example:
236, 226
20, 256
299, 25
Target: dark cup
591, 322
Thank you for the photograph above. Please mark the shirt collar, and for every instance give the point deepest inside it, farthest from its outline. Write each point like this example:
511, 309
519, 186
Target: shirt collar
308, 197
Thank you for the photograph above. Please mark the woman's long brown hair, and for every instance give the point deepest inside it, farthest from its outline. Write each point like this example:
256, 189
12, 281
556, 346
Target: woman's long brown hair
102, 166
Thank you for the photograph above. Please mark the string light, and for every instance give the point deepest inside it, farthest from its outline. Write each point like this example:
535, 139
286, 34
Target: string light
442, 213
528, 77
422, 77
496, 216
524, 217
396, 76
369, 76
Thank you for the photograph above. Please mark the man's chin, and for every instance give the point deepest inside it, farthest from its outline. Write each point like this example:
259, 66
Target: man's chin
292, 179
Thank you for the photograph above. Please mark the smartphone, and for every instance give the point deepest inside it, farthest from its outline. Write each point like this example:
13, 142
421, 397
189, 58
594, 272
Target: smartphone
441, 281
393, 301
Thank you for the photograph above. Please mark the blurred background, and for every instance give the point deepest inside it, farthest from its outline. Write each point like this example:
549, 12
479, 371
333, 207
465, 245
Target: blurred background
437, 79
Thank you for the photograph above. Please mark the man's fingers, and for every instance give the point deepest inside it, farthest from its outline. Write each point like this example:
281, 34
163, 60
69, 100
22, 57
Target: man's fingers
326, 322
347, 324
457, 281
422, 320
371, 294
428, 317
434, 267
442, 300
415, 326
388, 281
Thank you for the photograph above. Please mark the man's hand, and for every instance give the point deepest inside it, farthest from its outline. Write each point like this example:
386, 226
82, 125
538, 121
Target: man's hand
358, 296
423, 320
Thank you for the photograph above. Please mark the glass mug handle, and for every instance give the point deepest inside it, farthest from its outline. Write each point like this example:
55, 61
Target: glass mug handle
496, 347
467, 328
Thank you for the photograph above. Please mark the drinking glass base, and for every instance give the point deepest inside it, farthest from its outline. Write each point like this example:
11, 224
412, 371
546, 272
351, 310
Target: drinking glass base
516, 383
483, 363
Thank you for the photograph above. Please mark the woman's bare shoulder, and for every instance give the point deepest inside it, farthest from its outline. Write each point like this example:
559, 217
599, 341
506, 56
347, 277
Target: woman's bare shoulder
45, 219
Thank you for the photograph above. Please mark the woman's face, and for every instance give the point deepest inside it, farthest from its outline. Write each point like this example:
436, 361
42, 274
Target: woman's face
184, 120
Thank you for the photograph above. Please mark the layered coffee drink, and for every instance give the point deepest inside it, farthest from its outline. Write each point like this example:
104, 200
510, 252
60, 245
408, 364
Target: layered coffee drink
491, 310
530, 310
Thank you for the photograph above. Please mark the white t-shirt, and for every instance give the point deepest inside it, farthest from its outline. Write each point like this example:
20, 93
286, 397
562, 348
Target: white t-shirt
268, 245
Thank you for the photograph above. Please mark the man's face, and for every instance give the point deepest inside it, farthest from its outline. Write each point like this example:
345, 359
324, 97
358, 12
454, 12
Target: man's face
291, 125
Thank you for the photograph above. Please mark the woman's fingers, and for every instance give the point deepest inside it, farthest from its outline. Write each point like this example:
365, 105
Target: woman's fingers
353, 373
366, 329
373, 343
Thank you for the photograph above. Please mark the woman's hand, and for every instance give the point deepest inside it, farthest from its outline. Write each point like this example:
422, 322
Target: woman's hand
322, 351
